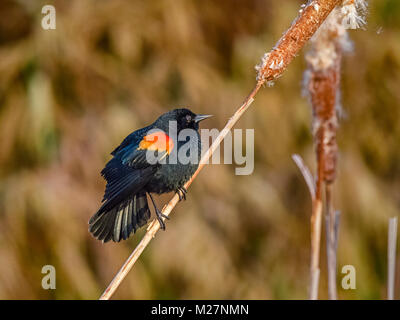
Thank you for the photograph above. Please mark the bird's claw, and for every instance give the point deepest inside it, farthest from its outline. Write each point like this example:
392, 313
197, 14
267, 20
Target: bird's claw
161, 222
164, 216
181, 193
161, 215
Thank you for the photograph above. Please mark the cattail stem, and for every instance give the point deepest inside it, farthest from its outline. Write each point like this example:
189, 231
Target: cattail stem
272, 66
316, 217
332, 229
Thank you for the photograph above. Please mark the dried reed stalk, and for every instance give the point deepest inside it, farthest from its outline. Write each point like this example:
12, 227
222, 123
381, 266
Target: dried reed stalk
309, 179
316, 216
315, 226
392, 242
271, 67
332, 219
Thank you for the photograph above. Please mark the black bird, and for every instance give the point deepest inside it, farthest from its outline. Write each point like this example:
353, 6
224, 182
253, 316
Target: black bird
130, 175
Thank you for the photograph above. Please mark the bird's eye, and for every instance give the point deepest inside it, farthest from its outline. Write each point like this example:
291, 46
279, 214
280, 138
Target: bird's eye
188, 118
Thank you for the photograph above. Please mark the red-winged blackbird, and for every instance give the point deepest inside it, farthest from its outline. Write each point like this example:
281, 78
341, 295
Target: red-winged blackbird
130, 176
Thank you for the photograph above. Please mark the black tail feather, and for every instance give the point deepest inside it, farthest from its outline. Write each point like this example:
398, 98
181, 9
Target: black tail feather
119, 222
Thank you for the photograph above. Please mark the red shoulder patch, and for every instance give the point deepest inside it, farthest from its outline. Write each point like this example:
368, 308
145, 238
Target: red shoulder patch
157, 141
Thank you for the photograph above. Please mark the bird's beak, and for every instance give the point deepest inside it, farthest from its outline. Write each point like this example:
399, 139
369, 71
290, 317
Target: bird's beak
201, 117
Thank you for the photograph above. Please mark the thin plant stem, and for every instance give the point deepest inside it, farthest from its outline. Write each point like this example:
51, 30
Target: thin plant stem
309, 179
332, 225
392, 241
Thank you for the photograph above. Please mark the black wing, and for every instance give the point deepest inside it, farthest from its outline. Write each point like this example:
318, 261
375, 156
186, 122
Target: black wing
124, 205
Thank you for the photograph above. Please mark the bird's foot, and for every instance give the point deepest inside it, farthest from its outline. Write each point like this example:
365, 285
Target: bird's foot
181, 193
159, 214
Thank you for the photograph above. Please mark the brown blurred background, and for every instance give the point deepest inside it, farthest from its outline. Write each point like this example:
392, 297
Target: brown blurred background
69, 96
